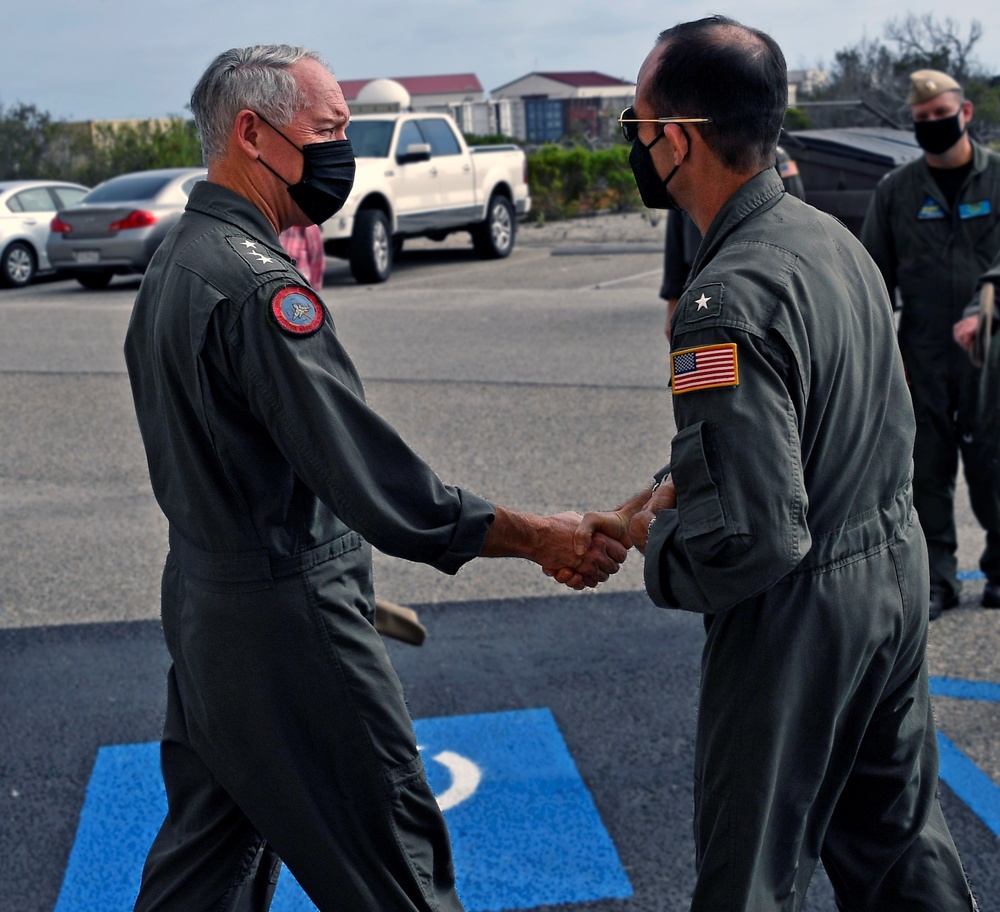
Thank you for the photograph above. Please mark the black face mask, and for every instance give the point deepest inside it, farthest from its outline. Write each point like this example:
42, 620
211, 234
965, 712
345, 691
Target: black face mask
652, 188
938, 136
327, 177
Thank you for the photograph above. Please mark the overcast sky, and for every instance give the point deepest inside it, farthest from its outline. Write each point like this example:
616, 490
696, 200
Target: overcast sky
132, 58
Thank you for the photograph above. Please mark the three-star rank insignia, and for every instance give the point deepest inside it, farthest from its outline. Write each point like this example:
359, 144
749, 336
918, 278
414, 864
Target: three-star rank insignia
259, 257
296, 310
704, 302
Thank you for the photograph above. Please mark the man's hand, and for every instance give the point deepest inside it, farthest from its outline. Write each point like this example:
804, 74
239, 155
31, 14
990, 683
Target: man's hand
964, 331
664, 497
549, 541
629, 524
568, 565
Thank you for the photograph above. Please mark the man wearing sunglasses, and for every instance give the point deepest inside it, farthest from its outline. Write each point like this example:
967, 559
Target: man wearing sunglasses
786, 514
683, 238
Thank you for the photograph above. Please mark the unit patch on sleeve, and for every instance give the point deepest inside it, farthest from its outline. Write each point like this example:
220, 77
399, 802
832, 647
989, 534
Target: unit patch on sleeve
705, 367
296, 310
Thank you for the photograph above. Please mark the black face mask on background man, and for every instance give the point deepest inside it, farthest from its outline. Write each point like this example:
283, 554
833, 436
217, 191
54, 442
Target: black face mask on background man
327, 176
652, 187
938, 136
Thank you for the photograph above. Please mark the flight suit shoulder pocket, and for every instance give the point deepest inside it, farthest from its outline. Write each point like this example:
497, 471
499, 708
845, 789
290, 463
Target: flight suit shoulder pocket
700, 508
708, 524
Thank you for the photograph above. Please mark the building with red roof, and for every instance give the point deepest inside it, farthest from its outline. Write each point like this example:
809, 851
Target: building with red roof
539, 107
427, 91
556, 105
575, 84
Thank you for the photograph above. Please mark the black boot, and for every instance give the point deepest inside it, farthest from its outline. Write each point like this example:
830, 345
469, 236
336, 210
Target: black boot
944, 600
991, 595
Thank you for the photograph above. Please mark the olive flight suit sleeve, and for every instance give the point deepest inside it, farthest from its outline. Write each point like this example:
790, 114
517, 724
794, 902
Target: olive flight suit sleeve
877, 236
991, 275
740, 521
305, 390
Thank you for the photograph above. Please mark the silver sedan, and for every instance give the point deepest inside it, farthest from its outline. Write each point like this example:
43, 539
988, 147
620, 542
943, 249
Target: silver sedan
117, 227
26, 208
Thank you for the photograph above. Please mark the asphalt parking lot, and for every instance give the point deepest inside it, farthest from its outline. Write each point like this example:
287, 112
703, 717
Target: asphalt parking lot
538, 381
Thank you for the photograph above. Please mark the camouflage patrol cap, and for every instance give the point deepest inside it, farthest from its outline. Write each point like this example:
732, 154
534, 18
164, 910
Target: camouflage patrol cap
928, 84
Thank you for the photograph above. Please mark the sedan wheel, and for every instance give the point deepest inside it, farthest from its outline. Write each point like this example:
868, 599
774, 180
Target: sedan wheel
17, 268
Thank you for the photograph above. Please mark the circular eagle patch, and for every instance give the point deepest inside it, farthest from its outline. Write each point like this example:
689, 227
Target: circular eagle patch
297, 310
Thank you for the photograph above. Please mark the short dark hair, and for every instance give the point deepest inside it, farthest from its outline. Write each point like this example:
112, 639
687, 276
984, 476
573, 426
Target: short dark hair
718, 68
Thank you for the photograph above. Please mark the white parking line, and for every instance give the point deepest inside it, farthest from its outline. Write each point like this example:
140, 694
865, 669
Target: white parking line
610, 282
432, 276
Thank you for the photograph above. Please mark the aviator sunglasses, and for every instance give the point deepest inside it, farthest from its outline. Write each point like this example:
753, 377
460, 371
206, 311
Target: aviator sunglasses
630, 123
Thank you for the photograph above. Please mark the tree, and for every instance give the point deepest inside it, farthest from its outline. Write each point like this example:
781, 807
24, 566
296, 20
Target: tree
23, 134
118, 148
875, 75
924, 43
33, 145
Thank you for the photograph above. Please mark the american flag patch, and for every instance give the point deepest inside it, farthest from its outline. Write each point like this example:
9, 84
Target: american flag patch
788, 169
704, 368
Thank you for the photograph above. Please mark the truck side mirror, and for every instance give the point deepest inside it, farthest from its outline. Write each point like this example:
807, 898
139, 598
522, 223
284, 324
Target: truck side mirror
415, 152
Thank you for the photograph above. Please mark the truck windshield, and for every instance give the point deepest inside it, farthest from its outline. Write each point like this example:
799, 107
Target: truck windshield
370, 138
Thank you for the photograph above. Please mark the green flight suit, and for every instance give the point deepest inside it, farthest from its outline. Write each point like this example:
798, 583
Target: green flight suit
683, 236
286, 734
794, 533
988, 415
933, 257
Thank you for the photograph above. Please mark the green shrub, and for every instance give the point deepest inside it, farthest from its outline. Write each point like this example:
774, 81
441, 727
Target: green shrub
33, 145
568, 182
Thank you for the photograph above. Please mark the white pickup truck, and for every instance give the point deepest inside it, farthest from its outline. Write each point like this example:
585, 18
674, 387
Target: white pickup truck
416, 177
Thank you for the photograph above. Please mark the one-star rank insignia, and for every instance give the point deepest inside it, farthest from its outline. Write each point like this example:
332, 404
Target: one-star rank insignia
296, 310
704, 302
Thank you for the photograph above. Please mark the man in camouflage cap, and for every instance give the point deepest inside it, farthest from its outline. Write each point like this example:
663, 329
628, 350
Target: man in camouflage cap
933, 227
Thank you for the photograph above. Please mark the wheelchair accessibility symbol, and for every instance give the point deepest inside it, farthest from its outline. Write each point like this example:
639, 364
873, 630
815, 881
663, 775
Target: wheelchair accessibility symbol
465, 779
509, 767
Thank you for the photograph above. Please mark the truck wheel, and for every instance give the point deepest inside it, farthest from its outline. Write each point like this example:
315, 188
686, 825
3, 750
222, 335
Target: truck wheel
493, 238
18, 266
371, 247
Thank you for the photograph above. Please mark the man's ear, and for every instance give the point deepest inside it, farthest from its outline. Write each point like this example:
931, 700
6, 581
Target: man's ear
246, 133
967, 109
678, 142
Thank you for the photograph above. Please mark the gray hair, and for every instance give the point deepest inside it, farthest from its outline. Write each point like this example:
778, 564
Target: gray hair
255, 78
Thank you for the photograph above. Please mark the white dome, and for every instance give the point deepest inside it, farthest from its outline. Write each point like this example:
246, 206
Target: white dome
384, 92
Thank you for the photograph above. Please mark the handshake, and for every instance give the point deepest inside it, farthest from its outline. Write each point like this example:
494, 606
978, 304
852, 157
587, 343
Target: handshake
581, 551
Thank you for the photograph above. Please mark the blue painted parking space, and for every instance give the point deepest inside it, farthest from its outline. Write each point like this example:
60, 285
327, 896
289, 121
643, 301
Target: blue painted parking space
557, 734
524, 828
961, 774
